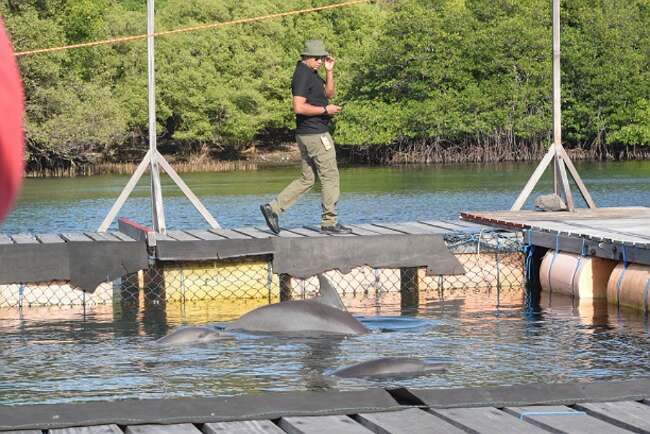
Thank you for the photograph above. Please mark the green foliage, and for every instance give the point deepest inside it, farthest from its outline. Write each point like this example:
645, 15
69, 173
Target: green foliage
464, 72
605, 68
637, 132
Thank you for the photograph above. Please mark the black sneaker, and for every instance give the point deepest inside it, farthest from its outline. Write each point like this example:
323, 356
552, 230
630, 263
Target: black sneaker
270, 217
337, 229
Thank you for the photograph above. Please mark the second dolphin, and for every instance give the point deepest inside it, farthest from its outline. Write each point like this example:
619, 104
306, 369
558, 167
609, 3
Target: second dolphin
324, 315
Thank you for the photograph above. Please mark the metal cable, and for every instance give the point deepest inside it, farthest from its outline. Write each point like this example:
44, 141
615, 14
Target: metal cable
123, 39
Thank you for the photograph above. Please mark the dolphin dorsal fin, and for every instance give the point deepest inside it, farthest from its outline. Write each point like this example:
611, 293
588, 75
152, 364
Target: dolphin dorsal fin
328, 294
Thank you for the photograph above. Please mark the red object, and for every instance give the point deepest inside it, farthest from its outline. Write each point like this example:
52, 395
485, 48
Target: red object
11, 125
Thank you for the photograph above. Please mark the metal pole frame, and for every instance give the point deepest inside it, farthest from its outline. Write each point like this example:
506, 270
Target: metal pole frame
153, 158
556, 152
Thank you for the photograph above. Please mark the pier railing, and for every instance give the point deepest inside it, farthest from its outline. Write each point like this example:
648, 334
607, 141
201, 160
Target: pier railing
492, 261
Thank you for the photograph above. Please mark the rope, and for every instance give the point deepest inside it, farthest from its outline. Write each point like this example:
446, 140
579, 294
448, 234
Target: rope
529, 251
123, 39
496, 259
550, 267
583, 252
478, 244
619, 282
21, 294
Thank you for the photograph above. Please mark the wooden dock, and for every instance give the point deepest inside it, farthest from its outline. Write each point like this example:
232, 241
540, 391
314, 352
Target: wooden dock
88, 259
130, 231
621, 234
590, 408
422, 227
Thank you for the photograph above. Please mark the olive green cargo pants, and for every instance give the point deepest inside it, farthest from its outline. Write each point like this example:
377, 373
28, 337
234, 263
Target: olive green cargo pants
318, 159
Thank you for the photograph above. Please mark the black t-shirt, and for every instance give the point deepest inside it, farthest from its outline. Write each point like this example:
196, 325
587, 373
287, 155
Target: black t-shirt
307, 83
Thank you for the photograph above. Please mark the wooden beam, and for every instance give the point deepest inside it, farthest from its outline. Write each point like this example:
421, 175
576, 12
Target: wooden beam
566, 187
557, 107
534, 179
133, 229
188, 192
576, 178
157, 208
124, 195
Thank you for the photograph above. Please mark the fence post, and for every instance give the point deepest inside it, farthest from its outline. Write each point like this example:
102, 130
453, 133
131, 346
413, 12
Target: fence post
409, 287
286, 288
154, 282
269, 278
154, 316
130, 288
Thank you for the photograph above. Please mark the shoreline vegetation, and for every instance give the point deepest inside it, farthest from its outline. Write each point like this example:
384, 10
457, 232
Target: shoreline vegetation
420, 81
289, 155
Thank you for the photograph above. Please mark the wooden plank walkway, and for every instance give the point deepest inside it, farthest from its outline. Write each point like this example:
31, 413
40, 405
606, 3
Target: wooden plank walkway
66, 237
621, 234
439, 227
607, 407
588, 418
110, 255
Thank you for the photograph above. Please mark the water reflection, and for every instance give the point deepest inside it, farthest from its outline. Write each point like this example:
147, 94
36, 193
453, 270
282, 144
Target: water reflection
489, 337
369, 194
320, 355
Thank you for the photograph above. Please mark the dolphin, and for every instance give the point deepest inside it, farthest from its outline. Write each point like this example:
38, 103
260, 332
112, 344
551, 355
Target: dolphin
323, 315
328, 294
192, 335
298, 318
390, 367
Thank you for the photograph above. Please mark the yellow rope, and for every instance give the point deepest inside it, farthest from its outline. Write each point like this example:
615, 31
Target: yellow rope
189, 29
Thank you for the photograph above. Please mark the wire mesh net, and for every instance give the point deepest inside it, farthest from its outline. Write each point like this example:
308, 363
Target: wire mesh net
491, 260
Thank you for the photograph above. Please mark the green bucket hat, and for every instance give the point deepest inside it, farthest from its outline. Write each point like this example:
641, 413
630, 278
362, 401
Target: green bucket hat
314, 48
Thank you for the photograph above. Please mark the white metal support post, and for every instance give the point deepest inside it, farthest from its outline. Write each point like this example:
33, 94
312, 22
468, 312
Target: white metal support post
153, 158
556, 152
157, 208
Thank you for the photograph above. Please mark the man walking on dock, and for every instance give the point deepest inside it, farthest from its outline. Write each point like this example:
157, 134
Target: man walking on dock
313, 118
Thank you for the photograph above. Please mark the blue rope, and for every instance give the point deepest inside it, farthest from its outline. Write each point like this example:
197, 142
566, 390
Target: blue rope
529, 251
551, 413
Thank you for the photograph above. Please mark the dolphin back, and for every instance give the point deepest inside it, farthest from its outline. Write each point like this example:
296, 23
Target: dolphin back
300, 317
390, 367
328, 294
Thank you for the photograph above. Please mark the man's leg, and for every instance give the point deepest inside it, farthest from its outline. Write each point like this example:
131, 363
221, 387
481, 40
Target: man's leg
298, 187
325, 159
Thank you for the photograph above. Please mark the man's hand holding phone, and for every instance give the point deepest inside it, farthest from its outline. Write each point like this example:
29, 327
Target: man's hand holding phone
333, 109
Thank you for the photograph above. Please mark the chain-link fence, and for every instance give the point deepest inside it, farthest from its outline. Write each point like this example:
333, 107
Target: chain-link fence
491, 260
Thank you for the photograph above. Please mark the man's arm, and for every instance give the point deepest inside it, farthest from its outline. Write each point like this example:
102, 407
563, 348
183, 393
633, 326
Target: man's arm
302, 107
329, 77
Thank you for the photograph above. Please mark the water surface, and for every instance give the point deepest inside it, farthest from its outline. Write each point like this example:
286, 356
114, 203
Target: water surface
490, 338
368, 194
64, 355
